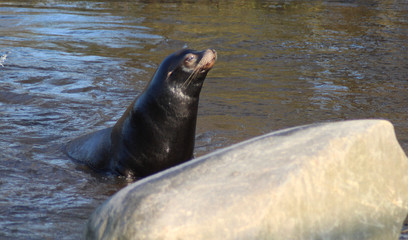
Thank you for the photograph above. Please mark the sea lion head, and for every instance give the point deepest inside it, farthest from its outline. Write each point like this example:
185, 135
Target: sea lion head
184, 71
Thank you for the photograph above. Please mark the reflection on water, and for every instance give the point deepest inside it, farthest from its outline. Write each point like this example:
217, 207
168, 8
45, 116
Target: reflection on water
74, 66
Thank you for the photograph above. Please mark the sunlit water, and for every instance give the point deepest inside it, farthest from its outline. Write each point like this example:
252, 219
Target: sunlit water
73, 67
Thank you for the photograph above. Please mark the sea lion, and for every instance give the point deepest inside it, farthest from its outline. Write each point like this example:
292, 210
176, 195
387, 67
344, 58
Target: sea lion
157, 131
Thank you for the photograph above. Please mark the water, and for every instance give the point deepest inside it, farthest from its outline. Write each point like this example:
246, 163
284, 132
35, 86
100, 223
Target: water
74, 66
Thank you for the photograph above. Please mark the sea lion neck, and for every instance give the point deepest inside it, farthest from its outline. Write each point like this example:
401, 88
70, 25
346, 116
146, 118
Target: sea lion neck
167, 103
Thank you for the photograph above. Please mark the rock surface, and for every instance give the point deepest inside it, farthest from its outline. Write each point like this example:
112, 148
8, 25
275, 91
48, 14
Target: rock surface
343, 180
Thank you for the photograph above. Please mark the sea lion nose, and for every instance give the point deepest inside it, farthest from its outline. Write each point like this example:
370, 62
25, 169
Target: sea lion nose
212, 52
215, 53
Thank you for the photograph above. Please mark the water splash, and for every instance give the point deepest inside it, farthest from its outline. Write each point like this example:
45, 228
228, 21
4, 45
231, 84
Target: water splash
3, 58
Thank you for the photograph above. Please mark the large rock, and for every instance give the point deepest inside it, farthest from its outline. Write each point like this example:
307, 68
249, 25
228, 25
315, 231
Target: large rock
344, 180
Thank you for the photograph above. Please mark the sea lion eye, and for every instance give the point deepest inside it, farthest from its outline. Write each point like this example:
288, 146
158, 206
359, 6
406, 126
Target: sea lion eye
190, 58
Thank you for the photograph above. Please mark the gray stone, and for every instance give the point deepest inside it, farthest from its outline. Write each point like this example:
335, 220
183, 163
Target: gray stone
343, 180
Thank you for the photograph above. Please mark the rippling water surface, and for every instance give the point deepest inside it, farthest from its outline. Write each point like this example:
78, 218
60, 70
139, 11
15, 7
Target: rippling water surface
74, 66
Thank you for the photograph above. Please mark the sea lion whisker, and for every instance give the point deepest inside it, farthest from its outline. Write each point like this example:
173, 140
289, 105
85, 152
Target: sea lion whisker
194, 75
190, 78
187, 80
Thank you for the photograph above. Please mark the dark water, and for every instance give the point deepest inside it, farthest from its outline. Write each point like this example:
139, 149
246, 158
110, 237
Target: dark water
73, 67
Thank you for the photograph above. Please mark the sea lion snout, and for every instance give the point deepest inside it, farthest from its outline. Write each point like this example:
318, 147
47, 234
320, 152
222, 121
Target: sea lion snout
208, 59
